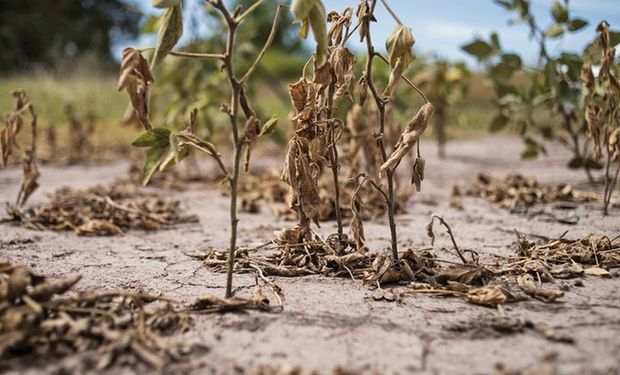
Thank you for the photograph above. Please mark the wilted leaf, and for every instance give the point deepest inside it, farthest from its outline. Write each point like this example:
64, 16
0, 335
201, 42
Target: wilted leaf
528, 285
463, 273
136, 78
596, 271
312, 13
487, 295
410, 136
342, 62
400, 55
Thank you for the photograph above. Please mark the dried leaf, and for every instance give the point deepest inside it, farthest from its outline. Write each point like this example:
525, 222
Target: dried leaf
410, 136
528, 285
136, 78
487, 295
463, 273
596, 271
400, 54
342, 62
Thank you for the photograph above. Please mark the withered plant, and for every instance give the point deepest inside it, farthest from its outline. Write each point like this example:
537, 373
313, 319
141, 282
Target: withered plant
548, 104
313, 143
446, 83
400, 56
13, 123
602, 110
166, 147
81, 130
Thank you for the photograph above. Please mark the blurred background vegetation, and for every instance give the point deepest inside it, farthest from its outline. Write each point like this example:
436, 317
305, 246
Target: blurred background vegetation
63, 52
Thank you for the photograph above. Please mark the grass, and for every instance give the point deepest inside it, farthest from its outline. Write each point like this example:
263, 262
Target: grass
93, 93
97, 93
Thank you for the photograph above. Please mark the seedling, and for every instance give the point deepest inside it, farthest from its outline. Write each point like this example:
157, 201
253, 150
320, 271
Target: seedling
166, 147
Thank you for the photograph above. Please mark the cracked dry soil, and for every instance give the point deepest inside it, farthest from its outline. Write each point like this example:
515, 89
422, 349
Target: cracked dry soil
327, 322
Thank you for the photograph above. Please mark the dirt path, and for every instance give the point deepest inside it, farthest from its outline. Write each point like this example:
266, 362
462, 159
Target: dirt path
327, 322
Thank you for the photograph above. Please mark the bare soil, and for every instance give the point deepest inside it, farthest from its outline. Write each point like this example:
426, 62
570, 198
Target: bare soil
328, 322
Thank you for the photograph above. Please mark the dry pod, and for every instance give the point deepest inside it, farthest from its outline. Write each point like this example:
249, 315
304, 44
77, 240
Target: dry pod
417, 175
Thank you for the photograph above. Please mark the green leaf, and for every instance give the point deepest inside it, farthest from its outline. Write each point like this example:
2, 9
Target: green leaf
170, 32
479, 48
495, 41
155, 137
498, 123
502, 71
554, 31
153, 159
505, 3
559, 12
165, 3
150, 25
577, 24
269, 126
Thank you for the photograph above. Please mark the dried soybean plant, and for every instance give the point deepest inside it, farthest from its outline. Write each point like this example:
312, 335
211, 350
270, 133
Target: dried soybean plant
41, 319
602, 112
313, 143
167, 148
13, 123
400, 56
317, 129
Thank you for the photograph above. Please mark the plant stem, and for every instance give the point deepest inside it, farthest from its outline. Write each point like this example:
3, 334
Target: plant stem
233, 112
333, 157
381, 109
449, 230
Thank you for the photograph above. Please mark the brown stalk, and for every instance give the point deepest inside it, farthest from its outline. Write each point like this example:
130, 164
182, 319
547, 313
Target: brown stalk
380, 103
449, 230
237, 100
333, 157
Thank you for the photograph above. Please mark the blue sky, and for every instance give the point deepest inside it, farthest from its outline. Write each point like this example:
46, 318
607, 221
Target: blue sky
442, 26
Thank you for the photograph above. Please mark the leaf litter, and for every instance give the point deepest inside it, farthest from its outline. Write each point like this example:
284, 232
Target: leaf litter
40, 318
505, 280
518, 193
102, 210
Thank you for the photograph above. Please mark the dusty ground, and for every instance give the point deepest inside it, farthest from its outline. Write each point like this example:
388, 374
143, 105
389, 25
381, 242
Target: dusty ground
334, 322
